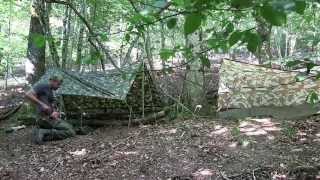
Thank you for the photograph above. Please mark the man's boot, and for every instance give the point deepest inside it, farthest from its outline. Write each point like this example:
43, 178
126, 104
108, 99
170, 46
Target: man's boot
38, 135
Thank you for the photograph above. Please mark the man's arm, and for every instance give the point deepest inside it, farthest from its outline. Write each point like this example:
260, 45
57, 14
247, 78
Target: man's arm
33, 97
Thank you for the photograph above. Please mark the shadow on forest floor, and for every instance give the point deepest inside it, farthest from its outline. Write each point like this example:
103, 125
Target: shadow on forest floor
191, 149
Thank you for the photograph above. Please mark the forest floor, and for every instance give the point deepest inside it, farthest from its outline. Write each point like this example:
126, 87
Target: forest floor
254, 149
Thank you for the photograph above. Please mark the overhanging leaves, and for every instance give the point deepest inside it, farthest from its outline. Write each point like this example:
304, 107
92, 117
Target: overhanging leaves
241, 3
253, 41
192, 23
171, 23
300, 6
273, 16
235, 37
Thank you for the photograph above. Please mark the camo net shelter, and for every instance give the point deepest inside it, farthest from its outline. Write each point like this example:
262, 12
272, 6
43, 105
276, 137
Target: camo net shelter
245, 86
110, 94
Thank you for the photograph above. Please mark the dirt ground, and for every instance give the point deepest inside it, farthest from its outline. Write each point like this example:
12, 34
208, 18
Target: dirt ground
185, 149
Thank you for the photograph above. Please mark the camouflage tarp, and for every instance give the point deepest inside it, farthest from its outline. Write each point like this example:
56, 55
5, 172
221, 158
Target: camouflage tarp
110, 84
245, 86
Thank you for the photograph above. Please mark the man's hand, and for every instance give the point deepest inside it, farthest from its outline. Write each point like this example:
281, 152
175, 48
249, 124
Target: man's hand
55, 115
45, 108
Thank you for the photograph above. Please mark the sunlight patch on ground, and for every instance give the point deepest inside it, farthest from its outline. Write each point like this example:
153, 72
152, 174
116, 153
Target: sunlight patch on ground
270, 137
257, 132
244, 143
233, 145
300, 133
297, 150
219, 131
316, 140
128, 152
303, 139
263, 120
204, 172
256, 127
171, 131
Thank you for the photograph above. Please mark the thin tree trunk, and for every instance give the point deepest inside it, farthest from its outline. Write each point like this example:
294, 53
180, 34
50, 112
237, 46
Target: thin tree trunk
74, 34
9, 56
66, 35
80, 39
36, 51
163, 42
79, 49
46, 28
93, 51
92, 34
148, 49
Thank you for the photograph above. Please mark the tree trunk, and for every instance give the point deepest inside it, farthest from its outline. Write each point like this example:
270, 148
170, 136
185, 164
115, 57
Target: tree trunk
94, 40
80, 39
193, 85
148, 49
66, 35
46, 28
163, 42
36, 43
74, 34
8, 55
79, 49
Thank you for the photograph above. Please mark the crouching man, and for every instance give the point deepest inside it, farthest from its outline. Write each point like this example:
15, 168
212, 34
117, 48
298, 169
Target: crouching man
49, 125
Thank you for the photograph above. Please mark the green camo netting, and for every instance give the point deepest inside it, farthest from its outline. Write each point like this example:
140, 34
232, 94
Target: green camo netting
110, 84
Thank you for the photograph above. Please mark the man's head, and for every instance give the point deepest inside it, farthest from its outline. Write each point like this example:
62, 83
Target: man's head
55, 81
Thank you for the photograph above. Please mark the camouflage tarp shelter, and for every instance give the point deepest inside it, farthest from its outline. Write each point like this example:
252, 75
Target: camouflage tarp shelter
110, 94
247, 86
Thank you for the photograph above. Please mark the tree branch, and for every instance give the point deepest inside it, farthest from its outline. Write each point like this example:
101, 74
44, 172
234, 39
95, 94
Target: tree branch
133, 6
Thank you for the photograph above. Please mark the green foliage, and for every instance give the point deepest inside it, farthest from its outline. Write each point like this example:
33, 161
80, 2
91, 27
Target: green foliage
235, 132
253, 41
192, 23
301, 77
300, 6
165, 54
293, 63
290, 132
15, 16
218, 44
205, 62
273, 16
313, 97
127, 37
39, 40
235, 37
310, 65
172, 22
239, 4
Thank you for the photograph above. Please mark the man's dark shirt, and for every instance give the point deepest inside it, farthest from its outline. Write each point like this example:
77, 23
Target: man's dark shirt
45, 94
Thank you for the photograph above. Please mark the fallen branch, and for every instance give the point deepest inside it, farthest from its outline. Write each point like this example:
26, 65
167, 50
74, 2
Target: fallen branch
148, 119
10, 113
